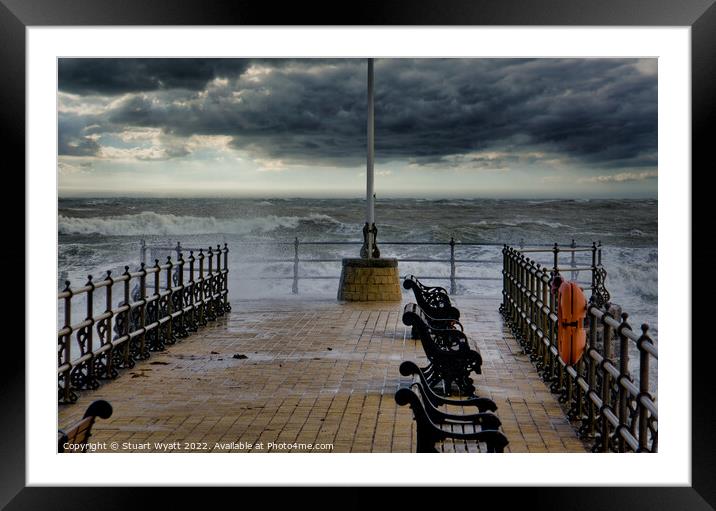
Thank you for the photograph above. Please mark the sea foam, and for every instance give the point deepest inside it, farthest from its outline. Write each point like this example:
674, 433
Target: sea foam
151, 223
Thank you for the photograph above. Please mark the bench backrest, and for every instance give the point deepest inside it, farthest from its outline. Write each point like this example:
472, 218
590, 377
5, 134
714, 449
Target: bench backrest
433, 339
434, 301
485, 419
412, 317
79, 433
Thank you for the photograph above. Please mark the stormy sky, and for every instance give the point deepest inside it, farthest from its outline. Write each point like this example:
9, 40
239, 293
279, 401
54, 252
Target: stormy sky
280, 127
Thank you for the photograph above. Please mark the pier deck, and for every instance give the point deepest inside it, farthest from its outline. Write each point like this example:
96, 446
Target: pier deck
317, 372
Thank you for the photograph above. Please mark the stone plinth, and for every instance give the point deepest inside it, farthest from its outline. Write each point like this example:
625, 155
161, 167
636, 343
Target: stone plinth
370, 280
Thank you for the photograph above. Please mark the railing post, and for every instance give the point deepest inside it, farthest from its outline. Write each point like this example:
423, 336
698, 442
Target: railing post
294, 288
623, 373
644, 391
191, 289
594, 270
504, 279
555, 252
452, 266
177, 250
209, 288
218, 284
142, 251
200, 289
142, 352
90, 332
544, 316
553, 362
170, 337
157, 337
210, 253
216, 287
181, 323
538, 313
573, 262
589, 428
606, 385
109, 365
66, 353
227, 306
127, 319
556, 366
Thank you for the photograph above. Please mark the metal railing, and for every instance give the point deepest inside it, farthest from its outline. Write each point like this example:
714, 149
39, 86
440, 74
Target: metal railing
453, 276
142, 321
157, 251
618, 413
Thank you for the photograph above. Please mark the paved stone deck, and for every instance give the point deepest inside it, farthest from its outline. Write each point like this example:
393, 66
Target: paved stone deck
316, 372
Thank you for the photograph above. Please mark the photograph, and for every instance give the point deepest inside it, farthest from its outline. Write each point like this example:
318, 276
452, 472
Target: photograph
357, 255
430, 247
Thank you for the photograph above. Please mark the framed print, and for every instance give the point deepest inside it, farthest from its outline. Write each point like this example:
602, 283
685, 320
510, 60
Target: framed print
292, 248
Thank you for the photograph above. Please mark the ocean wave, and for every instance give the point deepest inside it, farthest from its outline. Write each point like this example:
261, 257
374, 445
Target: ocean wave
79, 209
151, 223
517, 223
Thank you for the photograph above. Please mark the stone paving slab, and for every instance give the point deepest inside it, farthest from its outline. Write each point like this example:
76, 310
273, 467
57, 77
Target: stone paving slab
316, 372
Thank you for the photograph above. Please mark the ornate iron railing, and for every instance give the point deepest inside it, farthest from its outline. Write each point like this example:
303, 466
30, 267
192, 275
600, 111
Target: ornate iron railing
142, 321
616, 412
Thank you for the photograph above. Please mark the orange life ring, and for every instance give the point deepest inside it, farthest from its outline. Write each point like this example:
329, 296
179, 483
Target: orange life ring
571, 336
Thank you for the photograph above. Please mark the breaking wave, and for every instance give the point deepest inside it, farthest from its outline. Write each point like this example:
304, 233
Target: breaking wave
150, 223
519, 222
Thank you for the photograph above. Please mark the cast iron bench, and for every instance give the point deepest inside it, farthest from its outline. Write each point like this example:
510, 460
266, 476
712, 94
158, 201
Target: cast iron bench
464, 404
79, 433
447, 335
451, 357
434, 301
438, 431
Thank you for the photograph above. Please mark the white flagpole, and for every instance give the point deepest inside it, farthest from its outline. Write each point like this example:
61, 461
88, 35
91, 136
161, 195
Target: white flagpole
370, 200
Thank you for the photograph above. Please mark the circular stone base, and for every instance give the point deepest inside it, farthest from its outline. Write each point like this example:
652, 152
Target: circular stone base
370, 280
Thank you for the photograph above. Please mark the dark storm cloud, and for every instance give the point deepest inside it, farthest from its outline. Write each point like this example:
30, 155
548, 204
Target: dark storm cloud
599, 111
602, 112
117, 76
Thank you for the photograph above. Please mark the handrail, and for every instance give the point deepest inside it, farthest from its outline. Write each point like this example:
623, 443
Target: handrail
618, 413
154, 314
453, 277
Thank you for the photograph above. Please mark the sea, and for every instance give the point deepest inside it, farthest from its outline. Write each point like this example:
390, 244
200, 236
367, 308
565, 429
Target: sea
100, 234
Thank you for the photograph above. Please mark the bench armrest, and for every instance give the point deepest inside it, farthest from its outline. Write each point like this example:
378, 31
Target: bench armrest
428, 432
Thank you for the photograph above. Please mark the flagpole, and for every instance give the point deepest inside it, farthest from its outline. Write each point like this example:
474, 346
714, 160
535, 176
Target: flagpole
370, 205
370, 277
370, 250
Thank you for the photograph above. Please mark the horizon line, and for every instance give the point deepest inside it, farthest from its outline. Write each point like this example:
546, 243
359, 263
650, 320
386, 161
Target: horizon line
350, 197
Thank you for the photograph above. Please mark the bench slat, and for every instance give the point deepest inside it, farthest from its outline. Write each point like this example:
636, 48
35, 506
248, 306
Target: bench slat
79, 433
450, 435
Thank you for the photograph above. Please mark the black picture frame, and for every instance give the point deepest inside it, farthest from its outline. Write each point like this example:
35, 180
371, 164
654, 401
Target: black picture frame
700, 15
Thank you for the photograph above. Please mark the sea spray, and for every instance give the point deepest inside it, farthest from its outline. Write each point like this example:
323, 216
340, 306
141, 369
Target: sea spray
100, 234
